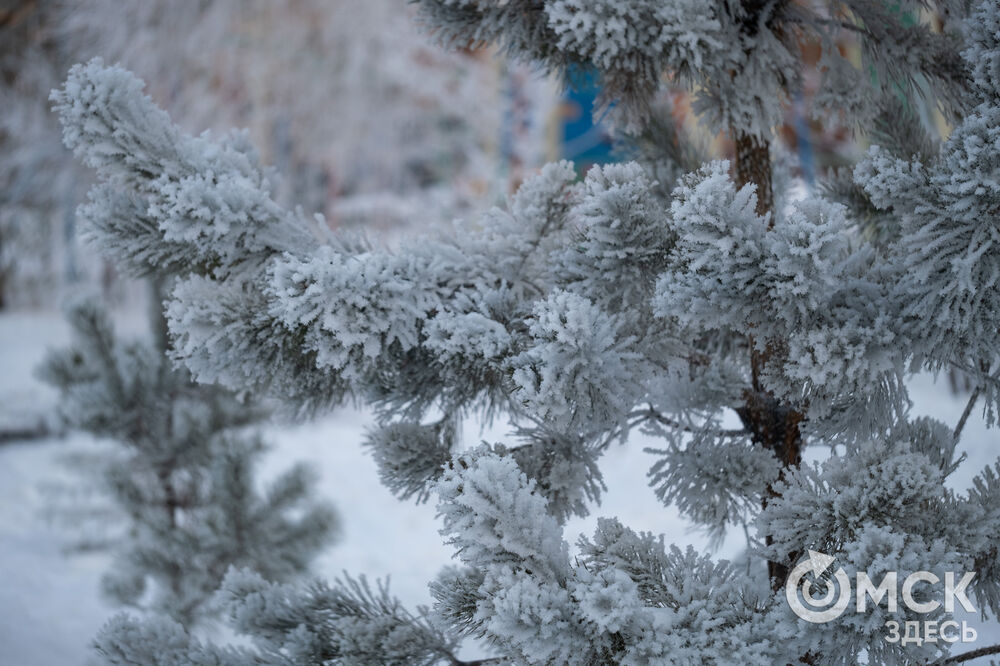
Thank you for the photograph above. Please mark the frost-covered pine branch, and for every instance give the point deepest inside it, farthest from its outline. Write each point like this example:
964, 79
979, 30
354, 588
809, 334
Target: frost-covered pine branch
583, 310
306, 624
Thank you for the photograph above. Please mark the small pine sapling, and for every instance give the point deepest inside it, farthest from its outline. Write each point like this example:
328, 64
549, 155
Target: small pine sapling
182, 475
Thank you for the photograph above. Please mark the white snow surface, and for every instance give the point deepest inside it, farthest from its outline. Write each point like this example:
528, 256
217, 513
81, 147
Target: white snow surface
50, 606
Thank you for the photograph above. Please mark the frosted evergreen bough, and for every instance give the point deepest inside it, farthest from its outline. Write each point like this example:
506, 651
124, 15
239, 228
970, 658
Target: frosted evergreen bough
181, 476
585, 310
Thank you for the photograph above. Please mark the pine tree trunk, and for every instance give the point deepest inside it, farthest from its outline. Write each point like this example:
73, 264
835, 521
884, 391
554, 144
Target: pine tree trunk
772, 424
753, 165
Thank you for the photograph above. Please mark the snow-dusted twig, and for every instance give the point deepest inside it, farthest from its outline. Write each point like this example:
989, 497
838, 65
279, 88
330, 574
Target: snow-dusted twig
965, 414
651, 414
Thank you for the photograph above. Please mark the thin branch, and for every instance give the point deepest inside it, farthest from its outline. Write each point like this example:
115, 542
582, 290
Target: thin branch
26, 433
965, 414
981, 374
617, 433
974, 654
652, 414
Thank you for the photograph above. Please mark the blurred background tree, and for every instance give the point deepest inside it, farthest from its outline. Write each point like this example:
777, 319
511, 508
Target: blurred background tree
367, 121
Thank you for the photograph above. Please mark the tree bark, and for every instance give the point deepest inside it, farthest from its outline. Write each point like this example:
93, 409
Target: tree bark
753, 165
772, 424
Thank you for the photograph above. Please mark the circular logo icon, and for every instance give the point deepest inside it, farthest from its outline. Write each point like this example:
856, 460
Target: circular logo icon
822, 608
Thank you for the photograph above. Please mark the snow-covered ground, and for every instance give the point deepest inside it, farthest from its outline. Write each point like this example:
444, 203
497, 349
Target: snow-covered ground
49, 602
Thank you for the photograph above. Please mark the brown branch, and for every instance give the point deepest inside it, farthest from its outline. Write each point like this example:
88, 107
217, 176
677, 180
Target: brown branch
753, 167
772, 424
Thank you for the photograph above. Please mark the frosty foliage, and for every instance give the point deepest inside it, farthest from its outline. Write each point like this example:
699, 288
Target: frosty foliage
982, 52
626, 600
633, 42
492, 514
816, 301
884, 508
564, 468
411, 455
183, 479
309, 624
212, 205
578, 369
160, 641
383, 299
715, 480
740, 57
947, 212
900, 131
36, 181
583, 310
622, 238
